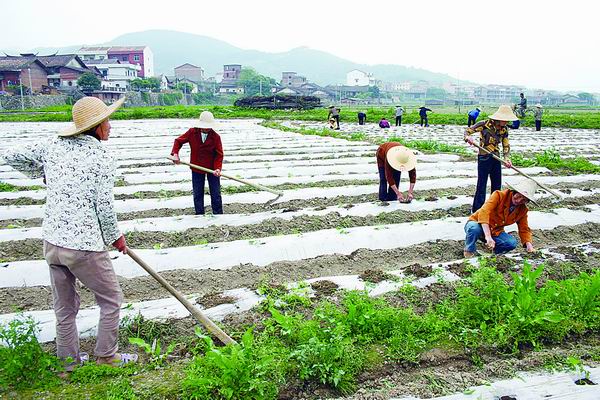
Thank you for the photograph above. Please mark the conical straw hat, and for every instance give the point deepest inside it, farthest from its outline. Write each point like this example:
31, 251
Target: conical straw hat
504, 113
89, 112
207, 120
401, 158
526, 187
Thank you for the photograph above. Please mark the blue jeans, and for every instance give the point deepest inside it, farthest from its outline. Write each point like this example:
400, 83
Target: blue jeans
486, 166
385, 192
214, 187
474, 231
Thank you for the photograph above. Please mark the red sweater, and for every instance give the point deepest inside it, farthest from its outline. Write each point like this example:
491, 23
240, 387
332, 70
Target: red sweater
208, 154
383, 163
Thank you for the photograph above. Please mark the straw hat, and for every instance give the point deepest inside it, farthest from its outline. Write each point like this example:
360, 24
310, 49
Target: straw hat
401, 158
538, 105
207, 120
526, 187
89, 112
504, 113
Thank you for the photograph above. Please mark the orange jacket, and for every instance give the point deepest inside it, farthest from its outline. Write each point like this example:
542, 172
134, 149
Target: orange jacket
495, 213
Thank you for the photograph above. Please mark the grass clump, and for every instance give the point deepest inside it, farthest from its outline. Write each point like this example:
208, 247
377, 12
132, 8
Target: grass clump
552, 160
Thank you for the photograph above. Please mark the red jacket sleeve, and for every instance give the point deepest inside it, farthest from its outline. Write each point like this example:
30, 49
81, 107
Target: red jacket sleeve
180, 141
218, 153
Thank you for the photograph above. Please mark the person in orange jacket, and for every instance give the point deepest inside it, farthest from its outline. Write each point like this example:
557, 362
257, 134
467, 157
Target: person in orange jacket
503, 208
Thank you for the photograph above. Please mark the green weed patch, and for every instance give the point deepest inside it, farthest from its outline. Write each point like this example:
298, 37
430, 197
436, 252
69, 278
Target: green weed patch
552, 160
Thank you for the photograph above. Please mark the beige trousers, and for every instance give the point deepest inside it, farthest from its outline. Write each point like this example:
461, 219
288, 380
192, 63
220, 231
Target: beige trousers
93, 269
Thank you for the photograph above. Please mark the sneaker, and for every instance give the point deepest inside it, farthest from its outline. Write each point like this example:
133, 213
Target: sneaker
118, 360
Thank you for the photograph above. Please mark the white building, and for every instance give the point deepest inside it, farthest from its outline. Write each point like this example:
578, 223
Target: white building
357, 77
116, 75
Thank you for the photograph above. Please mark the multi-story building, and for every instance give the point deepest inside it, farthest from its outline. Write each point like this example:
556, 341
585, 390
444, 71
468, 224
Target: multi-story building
138, 55
190, 72
231, 72
292, 79
497, 94
116, 75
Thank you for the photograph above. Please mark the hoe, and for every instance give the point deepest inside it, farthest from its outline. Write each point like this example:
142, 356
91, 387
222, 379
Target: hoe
256, 185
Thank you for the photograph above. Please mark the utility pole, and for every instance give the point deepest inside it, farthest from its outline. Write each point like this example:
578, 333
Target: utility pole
30, 85
21, 87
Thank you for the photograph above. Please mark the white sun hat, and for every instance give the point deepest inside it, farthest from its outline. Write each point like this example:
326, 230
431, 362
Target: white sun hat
89, 112
401, 158
526, 187
207, 120
504, 113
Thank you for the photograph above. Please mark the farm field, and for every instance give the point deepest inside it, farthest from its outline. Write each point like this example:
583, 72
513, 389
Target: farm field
348, 297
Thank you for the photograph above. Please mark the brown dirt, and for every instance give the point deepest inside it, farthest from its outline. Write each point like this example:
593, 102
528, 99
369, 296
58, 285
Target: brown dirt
375, 276
324, 288
214, 299
418, 270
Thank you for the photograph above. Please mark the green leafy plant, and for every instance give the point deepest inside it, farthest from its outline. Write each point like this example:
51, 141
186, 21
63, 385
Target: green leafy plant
157, 357
23, 362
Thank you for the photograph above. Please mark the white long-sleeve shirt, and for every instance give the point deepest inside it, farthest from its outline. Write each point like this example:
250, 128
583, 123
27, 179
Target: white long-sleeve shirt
79, 212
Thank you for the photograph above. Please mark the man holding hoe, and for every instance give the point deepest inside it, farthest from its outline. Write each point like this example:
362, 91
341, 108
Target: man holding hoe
492, 131
206, 151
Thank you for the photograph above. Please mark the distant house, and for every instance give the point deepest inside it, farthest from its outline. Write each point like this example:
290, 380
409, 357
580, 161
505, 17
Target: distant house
193, 84
28, 71
292, 79
116, 75
231, 72
346, 91
230, 88
138, 55
64, 70
357, 77
189, 71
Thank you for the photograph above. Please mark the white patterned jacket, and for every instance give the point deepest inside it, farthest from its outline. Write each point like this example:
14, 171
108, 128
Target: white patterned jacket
80, 173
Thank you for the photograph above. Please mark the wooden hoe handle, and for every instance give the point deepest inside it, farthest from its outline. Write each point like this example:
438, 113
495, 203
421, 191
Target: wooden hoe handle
196, 313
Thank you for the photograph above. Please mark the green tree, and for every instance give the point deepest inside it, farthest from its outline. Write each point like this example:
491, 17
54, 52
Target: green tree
150, 84
588, 97
185, 87
374, 92
153, 84
89, 81
255, 83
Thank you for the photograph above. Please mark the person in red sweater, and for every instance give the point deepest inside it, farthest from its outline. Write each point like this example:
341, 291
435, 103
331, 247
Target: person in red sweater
206, 151
392, 159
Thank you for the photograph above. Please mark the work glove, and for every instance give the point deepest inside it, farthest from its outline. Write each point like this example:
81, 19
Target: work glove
120, 244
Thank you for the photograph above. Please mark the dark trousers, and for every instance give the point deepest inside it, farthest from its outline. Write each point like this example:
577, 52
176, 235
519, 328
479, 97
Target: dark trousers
486, 166
399, 120
538, 125
385, 191
337, 121
361, 120
214, 187
471, 121
425, 121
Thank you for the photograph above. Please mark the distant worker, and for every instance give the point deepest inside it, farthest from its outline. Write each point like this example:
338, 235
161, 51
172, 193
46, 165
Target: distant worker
423, 114
362, 117
392, 160
334, 114
492, 132
206, 151
473, 115
384, 123
522, 106
503, 208
538, 111
399, 114
517, 122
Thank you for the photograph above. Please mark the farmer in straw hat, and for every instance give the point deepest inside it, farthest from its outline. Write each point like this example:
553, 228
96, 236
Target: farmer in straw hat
333, 116
492, 131
503, 208
538, 111
392, 159
206, 151
79, 222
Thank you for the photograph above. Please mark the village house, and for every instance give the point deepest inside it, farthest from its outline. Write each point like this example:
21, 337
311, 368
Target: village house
115, 75
189, 71
30, 72
357, 77
64, 70
292, 79
229, 83
137, 55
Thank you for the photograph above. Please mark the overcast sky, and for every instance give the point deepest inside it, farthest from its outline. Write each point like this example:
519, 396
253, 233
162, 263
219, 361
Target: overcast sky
538, 44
